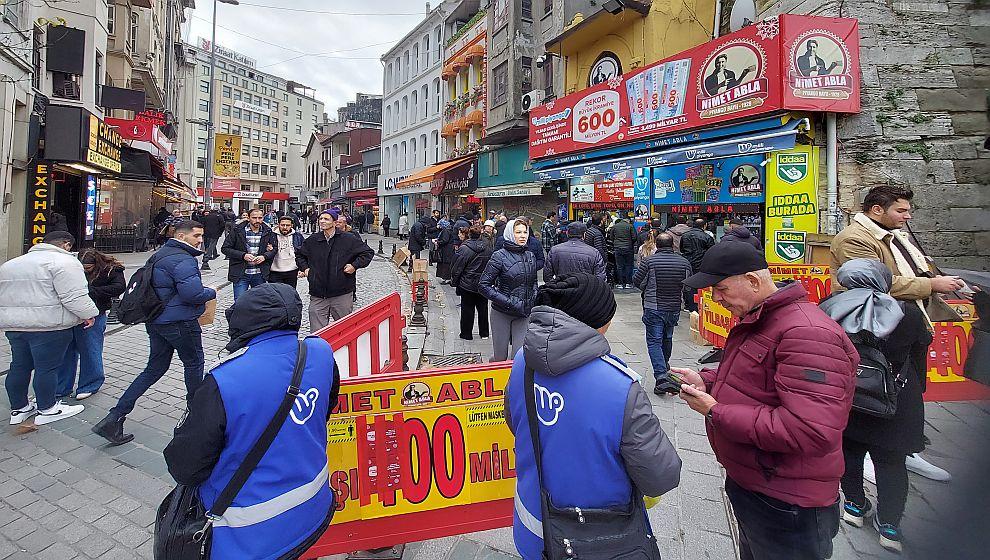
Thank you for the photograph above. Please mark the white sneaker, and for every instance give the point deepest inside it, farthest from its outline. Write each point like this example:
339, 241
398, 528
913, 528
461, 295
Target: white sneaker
918, 465
20, 415
58, 412
82, 396
869, 473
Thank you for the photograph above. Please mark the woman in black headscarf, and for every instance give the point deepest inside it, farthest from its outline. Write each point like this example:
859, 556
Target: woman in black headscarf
904, 338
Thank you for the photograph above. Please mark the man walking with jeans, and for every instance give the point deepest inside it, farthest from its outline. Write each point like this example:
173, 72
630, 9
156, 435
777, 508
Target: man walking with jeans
177, 281
250, 248
43, 295
660, 277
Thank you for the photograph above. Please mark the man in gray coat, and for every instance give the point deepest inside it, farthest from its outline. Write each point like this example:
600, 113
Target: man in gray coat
574, 255
43, 295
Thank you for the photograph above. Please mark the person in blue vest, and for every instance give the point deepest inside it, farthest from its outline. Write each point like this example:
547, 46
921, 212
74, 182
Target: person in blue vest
602, 444
231, 410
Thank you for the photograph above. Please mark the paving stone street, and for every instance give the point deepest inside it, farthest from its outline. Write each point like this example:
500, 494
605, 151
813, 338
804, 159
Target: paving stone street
64, 494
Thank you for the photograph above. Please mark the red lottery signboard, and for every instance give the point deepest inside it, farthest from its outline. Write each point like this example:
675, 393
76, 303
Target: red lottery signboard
783, 63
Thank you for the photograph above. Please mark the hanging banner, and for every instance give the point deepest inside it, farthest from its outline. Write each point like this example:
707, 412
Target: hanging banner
787, 62
792, 203
36, 214
227, 163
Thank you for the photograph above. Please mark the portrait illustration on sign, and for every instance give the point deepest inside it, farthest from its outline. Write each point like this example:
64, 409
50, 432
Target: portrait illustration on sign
820, 66
604, 69
745, 181
731, 67
732, 79
821, 56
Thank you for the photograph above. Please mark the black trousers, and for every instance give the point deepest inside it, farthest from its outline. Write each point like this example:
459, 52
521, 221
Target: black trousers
471, 302
892, 479
291, 277
771, 529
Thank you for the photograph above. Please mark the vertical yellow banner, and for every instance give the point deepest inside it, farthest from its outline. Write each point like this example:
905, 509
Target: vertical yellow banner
227, 162
792, 203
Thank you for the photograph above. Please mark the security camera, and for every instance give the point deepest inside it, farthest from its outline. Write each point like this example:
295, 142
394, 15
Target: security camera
542, 60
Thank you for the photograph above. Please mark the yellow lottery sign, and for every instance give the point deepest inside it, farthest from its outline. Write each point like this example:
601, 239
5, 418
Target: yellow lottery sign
403, 444
792, 203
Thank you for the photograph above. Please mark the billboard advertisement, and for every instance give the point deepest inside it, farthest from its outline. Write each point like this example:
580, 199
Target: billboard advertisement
792, 203
782, 63
227, 163
737, 180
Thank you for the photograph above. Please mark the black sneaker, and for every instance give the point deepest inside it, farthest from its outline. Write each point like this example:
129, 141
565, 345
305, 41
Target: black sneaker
666, 388
206, 266
890, 535
854, 514
112, 430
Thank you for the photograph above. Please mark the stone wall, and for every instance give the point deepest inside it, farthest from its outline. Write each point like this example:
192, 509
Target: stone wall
924, 123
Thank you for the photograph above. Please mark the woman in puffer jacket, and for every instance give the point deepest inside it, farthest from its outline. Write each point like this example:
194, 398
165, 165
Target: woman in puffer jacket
509, 282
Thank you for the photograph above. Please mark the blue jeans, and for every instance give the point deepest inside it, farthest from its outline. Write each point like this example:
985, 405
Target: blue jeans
660, 339
85, 351
184, 337
41, 352
246, 282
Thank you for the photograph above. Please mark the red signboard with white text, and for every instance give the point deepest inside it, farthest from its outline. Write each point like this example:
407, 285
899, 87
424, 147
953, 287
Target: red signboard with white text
790, 62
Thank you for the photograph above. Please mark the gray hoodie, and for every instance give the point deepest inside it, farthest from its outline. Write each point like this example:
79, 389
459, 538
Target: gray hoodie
557, 343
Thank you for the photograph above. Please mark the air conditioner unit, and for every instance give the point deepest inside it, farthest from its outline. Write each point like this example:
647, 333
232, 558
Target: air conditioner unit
532, 99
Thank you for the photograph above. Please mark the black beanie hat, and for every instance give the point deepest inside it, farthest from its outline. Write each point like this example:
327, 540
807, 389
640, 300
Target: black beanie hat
583, 296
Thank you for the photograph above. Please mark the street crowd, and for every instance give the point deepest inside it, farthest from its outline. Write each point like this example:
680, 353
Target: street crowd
787, 410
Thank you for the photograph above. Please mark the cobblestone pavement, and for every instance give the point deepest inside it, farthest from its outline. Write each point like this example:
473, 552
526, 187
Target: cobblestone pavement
64, 494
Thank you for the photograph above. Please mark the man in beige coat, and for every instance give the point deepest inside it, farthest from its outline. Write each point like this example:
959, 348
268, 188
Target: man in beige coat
875, 233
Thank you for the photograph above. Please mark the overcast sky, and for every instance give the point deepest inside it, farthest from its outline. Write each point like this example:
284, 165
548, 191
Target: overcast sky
284, 39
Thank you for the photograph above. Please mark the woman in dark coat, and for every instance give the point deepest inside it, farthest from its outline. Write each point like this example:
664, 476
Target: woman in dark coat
509, 282
904, 338
470, 262
105, 276
445, 252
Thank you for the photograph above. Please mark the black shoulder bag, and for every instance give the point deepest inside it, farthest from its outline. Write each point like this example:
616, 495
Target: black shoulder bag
183, 527
616, 533
877, 385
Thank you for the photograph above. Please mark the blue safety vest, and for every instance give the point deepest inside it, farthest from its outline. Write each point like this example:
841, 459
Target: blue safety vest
287, 497
581, 414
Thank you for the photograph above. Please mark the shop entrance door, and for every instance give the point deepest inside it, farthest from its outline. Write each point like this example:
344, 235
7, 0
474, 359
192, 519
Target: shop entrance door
68, 210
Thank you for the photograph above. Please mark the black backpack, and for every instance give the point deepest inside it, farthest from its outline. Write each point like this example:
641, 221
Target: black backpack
140, 303
877, 385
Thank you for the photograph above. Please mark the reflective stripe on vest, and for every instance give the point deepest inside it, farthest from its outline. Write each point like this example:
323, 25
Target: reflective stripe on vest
250, 515
623, 368
527, 519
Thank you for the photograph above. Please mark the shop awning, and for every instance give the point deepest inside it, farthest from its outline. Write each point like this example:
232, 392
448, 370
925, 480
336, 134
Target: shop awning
523, 189
246, 195
779, 138
426, 175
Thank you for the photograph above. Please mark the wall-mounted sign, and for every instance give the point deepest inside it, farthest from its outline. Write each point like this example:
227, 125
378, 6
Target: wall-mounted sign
227, 53
36, 214
710, 208
103, 150
606, 68
73, 134
90, 216
726, 180
152, 117
792, 202
787, 62
227, 163
261, 110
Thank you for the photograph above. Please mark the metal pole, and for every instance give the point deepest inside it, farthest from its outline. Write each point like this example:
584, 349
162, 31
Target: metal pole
210, 125
832, 174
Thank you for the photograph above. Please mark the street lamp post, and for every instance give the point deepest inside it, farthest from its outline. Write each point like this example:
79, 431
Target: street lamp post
211, 126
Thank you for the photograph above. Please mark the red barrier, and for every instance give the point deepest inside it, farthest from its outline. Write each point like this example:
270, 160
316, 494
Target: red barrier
368, 341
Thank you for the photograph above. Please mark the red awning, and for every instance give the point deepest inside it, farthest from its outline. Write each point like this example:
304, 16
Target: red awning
363, 193
365, 201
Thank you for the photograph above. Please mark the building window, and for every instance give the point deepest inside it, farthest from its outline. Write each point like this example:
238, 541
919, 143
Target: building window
204, 106
299, 102
38, 43
264, 170
500, 83
265, 137
99, 74
237, 95
204, 86
201, 143
264, 153
526, 9
283, 157
274, 138
527, 74
271, 170
246, 150
226, 92
132, 41
299, 115
245, 167
235, 130
547, 7
255, 151
254, 168
283, 173
256, 134
225, 110
237, 113
274, 154
493, 162
111, 16
246, 132
298, 129
225, 128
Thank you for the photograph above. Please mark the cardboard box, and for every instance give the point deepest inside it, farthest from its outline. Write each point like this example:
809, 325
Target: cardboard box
401, 254
420, 276
420, 265
210, 314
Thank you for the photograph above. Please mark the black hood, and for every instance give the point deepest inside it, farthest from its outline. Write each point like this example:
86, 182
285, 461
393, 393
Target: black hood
268, 307
742, 232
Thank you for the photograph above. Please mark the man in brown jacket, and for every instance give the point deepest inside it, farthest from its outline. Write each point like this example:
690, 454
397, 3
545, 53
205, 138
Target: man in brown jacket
875, 233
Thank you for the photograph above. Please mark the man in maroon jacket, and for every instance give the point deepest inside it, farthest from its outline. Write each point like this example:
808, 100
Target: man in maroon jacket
776, 407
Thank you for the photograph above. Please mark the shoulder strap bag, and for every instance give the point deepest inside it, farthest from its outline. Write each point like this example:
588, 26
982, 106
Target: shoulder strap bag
571, 533
877, 384
183, 526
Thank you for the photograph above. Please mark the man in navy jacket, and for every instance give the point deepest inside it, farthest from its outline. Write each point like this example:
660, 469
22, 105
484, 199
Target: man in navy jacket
177, 281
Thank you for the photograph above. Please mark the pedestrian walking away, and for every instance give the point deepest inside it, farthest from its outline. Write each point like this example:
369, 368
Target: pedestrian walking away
446, 245
872, 318
583, 394
386, 224
680, 228
509, 282
176, 279
574, 256
213, 227
661, 277
775, 421
286, 504
595, 236
739, 232
623, 236
419, 237
694, 244
331, 259
250, 248
105, 276
470, 263
876, 233
287, 241
43, 296
403, 231
549, 231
